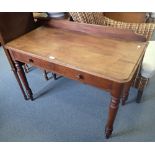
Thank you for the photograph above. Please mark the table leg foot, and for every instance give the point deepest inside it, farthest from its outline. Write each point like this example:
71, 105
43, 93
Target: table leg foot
108, 132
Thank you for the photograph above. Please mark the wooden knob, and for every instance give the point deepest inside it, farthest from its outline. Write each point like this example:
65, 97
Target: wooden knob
31, 60
79, 76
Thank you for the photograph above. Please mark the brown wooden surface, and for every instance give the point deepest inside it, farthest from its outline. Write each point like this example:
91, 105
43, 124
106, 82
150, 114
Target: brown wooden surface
96, 30
109, 59
131, 17
63, 70
15, 24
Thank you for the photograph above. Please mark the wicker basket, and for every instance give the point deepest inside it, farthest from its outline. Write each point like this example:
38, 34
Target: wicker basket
145, 29
88, 17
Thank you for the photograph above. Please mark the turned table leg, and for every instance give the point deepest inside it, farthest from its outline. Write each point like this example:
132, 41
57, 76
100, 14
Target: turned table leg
7, 52
21, 73
19, 82
116, 93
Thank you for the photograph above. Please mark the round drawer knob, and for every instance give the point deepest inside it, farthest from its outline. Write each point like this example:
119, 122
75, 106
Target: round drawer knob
31, 60
79, 76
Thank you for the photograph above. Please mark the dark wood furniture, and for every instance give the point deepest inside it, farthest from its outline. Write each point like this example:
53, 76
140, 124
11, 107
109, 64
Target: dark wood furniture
15, 24
87, 53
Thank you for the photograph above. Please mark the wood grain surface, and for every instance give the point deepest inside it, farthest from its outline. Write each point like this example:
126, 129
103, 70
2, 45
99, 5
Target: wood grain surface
107, 58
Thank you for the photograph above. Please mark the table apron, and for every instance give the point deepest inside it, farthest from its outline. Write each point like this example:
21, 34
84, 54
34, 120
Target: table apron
63, 70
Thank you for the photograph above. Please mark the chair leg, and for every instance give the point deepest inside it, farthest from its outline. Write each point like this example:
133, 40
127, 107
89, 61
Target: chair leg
45, 75
126, 92
54, 76
142, 84
139, 96
26, 68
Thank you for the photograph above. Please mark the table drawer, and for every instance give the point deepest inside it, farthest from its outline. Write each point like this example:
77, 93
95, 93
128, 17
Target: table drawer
31, 60
63, 70
83, 77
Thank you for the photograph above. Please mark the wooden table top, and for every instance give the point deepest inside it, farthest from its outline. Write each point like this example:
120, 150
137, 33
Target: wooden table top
111, 59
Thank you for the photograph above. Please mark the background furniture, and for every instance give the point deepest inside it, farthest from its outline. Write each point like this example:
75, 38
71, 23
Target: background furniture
145, 29
13, 25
